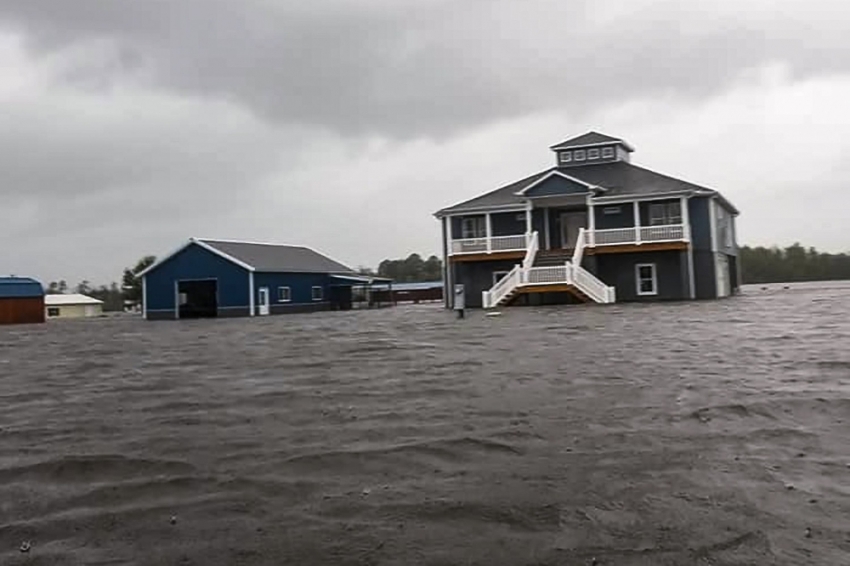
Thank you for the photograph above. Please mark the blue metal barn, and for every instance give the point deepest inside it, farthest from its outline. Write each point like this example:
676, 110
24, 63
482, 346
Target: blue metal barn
223, 278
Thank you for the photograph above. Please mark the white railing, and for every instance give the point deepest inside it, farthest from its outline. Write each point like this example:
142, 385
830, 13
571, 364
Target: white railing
531, 252
578, 253
591, 286
639, 235
547, 275
503, 287
513, 243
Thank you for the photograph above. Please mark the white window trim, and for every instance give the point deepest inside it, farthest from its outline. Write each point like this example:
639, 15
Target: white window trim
593, 153
654, 279
666, 217
502, 273
288, 298
610, 210
565, 156
579, 155
321, 293
607, 152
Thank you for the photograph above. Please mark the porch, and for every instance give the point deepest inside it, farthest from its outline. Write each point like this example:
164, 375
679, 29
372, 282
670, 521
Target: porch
606, 226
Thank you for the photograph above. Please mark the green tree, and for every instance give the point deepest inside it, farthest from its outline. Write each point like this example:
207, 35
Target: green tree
131, 281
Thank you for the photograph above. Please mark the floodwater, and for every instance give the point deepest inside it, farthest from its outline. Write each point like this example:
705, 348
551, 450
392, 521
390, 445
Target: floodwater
672, 434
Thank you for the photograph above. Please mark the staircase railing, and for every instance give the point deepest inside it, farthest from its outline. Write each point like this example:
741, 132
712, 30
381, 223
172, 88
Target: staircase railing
592, 286
578, 253
503, 287
531, 251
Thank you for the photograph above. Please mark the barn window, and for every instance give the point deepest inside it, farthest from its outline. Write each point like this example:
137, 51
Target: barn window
317, 293
52, 311
284, 294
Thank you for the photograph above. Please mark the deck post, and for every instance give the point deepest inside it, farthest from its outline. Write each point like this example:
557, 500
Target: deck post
489, 228
591, 222
637, 221
528, 218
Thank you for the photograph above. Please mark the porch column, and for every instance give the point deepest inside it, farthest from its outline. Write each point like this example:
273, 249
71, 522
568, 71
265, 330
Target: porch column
528, 222
637, 221
686, 220
591, 221
489, 226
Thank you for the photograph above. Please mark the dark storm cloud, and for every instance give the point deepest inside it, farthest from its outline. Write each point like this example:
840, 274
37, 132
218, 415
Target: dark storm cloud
405, 69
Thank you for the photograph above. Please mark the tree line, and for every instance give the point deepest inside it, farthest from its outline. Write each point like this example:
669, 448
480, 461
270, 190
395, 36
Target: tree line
412, 269
114, 298
791, 265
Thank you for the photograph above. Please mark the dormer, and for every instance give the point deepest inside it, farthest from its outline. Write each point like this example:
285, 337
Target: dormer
590, 149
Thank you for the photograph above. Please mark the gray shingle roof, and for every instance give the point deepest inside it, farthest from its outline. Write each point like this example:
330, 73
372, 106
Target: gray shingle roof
276, 257
620, 178
589, 138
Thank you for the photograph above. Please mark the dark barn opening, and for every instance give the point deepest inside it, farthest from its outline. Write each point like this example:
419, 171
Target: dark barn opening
340, 297
198, 299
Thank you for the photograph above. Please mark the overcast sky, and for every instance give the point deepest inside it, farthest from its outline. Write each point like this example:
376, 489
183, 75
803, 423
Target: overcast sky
127, 127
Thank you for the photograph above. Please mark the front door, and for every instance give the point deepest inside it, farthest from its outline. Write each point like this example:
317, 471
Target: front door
263, 302
571, 223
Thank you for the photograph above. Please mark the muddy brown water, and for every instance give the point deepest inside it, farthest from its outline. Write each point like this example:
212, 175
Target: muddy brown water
694, 433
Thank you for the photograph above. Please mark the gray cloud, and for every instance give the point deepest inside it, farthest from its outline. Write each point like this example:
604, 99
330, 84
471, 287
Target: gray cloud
431, 68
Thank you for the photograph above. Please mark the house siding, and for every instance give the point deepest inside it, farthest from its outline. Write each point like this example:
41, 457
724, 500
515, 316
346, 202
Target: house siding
556, 186
619, 270
195, 262
477, 277
301, 289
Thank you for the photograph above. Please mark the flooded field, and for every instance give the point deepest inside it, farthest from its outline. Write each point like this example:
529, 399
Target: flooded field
676, 434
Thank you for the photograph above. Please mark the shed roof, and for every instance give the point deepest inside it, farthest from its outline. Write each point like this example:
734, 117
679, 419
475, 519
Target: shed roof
53, 300
20, 288
264, 257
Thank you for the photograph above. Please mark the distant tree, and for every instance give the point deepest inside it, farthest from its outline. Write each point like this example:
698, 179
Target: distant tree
83, 287
62, 287
53, 288
411, 269
132, 283
792, 264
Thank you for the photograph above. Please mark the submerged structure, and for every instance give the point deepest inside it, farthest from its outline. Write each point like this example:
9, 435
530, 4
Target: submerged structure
21, 300
207, 278
593, 228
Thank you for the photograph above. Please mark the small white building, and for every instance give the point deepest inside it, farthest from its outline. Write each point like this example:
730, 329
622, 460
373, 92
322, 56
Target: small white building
72, 306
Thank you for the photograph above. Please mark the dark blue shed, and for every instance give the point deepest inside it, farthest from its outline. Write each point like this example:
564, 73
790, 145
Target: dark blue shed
225, 278
21, 300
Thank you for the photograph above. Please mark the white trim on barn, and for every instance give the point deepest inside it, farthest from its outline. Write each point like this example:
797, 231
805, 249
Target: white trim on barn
205, 246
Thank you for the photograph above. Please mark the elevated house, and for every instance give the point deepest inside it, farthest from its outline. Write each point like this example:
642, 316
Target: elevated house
593, 228
206, 278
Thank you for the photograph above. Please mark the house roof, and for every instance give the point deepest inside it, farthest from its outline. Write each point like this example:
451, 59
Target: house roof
53, 300
20, 288
589, 139
618, 178
263, 257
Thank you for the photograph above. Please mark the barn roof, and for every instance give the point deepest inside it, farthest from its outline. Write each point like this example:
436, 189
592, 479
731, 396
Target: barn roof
20, 288
264, 257
53, 300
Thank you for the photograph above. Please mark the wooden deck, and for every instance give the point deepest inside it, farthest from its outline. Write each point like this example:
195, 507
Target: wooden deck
636, 248
493, 256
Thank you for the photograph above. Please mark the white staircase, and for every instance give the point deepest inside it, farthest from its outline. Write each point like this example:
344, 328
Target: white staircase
525, 275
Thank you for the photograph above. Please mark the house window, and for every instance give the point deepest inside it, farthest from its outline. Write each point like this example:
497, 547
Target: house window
578, 155
647, 280
284, 294
566, 156
664, 213
607, 152
593, 153
611, 210
474, 227
498, 276
317, 293
52, 311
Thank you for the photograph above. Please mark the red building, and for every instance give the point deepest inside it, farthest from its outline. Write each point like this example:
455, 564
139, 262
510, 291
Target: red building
21, 300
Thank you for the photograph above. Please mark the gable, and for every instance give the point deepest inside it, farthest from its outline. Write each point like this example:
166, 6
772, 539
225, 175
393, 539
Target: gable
556, 185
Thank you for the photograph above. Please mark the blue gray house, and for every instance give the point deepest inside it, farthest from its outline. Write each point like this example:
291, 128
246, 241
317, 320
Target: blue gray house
222, 278
593, 228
